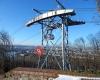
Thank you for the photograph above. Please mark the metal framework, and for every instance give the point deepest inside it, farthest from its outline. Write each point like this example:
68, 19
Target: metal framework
51, 20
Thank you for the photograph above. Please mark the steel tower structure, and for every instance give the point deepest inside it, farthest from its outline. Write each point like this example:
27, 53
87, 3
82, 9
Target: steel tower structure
51, 20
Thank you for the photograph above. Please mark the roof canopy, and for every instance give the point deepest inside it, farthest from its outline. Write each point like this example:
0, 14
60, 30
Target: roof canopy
50, 14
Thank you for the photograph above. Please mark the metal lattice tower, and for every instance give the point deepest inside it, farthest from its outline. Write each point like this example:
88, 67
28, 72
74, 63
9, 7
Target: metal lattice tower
49, 24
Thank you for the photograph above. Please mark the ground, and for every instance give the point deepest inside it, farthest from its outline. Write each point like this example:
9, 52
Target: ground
1, 76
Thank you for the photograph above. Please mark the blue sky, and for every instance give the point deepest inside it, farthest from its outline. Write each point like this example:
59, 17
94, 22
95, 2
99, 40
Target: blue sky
15, 13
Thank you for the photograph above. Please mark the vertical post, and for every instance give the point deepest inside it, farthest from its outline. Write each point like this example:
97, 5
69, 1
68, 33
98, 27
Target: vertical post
47, 54
63, 58
67, 36
42, 35
39, 62
69, 65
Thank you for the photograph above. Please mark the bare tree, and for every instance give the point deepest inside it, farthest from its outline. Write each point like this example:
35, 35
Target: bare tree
5, 48
94, 44
80, 44
95, 50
